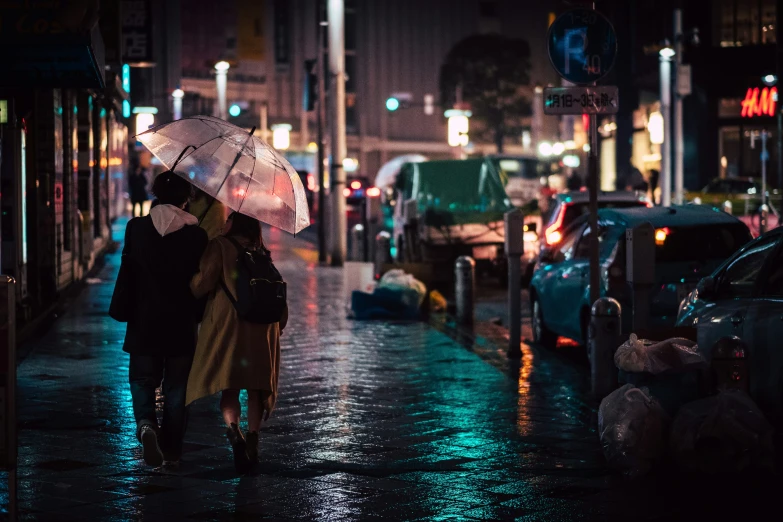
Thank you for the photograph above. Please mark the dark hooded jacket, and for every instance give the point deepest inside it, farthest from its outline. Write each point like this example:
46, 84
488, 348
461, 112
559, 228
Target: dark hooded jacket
163, 251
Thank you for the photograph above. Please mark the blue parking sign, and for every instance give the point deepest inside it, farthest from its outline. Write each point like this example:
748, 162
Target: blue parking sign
582, 46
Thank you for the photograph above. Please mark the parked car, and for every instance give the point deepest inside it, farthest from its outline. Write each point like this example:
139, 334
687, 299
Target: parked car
569, 207
743, 193
744, 298
691, 241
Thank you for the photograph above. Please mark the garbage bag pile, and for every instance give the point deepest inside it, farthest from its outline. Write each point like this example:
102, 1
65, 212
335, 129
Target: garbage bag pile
726, 432
723, 433
672, 355
397, 296
632, 426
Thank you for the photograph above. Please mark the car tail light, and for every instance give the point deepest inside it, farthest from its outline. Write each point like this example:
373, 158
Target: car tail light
661, 234
356, 185
649, 204
553, 234
347, 192
373, 192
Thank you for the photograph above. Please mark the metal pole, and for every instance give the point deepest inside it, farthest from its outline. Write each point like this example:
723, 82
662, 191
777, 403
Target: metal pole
679, 138
764, 160
265, 121
464, 271
339, 224
666, 150
321, 155
514, 222
220, 78
592, 183
604, 336
8, 383
779, 72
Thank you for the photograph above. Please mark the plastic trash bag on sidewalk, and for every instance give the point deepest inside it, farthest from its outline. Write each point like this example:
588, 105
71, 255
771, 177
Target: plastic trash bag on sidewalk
633, 428
670, 356
723, 433
385, 303
397, 279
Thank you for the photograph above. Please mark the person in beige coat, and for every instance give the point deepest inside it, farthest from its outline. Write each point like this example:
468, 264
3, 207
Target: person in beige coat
211, 213
231, 354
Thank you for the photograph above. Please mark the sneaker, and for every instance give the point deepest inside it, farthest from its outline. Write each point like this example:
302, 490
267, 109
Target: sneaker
251, 440
149, 443
238, 444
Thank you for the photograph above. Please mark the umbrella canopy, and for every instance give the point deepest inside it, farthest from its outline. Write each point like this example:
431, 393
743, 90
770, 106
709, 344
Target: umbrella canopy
234, 167
387, 174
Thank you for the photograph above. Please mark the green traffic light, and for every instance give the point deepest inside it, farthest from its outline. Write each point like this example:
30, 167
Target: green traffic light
392, 104
234, 110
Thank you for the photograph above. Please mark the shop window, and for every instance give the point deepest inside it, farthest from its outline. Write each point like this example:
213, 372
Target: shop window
741, 22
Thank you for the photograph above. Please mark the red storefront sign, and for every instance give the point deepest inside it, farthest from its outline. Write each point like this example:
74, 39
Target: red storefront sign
760, 102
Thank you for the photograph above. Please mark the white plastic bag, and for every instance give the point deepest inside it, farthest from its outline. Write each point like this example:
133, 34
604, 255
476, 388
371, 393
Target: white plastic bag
672, 355
397, 278
723, 433
633, 428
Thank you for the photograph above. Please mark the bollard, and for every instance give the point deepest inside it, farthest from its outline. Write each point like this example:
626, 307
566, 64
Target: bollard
464, 271
382, 252
604, 336
764, 218
357, 243
728, 207
514, 247
8, 450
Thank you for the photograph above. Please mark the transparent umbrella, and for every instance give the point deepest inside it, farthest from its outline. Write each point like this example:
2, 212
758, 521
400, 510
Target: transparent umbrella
234, 167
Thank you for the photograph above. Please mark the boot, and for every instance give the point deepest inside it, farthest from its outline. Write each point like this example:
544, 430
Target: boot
252, 446
241, 463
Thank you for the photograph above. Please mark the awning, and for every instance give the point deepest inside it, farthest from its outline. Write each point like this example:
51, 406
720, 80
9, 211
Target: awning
45, 46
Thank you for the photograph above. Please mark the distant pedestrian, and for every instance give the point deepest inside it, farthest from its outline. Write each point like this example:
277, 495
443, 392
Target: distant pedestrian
137, 185
574, 181
654, 177
234, 354
635, 180
161, 254
211, 213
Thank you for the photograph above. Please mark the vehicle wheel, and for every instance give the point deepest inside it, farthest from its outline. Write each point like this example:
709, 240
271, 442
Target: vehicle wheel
541, 334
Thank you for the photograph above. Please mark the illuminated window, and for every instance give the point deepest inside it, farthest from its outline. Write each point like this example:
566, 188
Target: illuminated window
738, 23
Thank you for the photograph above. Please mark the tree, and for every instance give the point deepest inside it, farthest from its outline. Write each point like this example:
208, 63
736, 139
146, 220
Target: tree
489, 72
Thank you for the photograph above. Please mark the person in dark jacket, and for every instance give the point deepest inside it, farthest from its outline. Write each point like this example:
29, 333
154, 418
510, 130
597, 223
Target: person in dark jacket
137, 185
163, 251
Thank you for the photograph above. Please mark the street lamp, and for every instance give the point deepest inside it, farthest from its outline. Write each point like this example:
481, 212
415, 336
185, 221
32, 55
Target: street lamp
221, 70
177, 96
666, 55
281, 136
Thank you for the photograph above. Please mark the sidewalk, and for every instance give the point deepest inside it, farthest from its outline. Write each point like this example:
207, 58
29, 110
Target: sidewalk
376, 421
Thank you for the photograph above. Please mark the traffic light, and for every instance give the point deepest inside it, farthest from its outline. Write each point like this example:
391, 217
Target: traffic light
392, 104
234, 110
310, 91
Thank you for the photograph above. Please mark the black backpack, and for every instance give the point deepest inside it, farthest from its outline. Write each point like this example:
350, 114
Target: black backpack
261, 291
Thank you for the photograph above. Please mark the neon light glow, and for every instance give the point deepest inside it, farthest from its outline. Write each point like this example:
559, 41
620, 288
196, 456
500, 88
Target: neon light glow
760, 102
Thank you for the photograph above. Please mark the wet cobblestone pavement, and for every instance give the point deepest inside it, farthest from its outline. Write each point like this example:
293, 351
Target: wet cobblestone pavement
375, 421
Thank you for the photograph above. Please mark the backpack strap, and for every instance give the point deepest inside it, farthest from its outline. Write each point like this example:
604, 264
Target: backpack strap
237, 244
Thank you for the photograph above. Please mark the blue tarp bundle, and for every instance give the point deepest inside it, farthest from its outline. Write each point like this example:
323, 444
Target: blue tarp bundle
386, 303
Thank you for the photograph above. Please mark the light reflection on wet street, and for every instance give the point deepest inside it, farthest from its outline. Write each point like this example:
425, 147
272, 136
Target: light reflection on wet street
376, 421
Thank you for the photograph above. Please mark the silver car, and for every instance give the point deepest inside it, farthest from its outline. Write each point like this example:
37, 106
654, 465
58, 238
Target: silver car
744, 298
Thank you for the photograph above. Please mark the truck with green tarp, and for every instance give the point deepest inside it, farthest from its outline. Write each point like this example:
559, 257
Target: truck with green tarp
440, 210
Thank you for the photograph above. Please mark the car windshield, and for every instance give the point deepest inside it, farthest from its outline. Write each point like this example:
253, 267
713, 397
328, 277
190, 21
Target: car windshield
699, 243
575, 210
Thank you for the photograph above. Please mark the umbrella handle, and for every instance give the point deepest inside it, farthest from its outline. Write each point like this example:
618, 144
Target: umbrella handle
180, 156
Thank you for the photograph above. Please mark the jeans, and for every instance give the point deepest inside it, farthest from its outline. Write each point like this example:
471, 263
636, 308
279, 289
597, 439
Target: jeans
145, 375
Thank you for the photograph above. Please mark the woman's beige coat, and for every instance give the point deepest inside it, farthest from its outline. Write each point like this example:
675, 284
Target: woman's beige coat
231, 354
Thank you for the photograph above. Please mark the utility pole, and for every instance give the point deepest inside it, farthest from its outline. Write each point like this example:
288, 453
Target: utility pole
339, 224
320, 107
779, 72
666, 149
679, 139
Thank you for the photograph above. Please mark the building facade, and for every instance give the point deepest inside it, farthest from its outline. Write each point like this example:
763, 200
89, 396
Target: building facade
63, 141
392, 48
